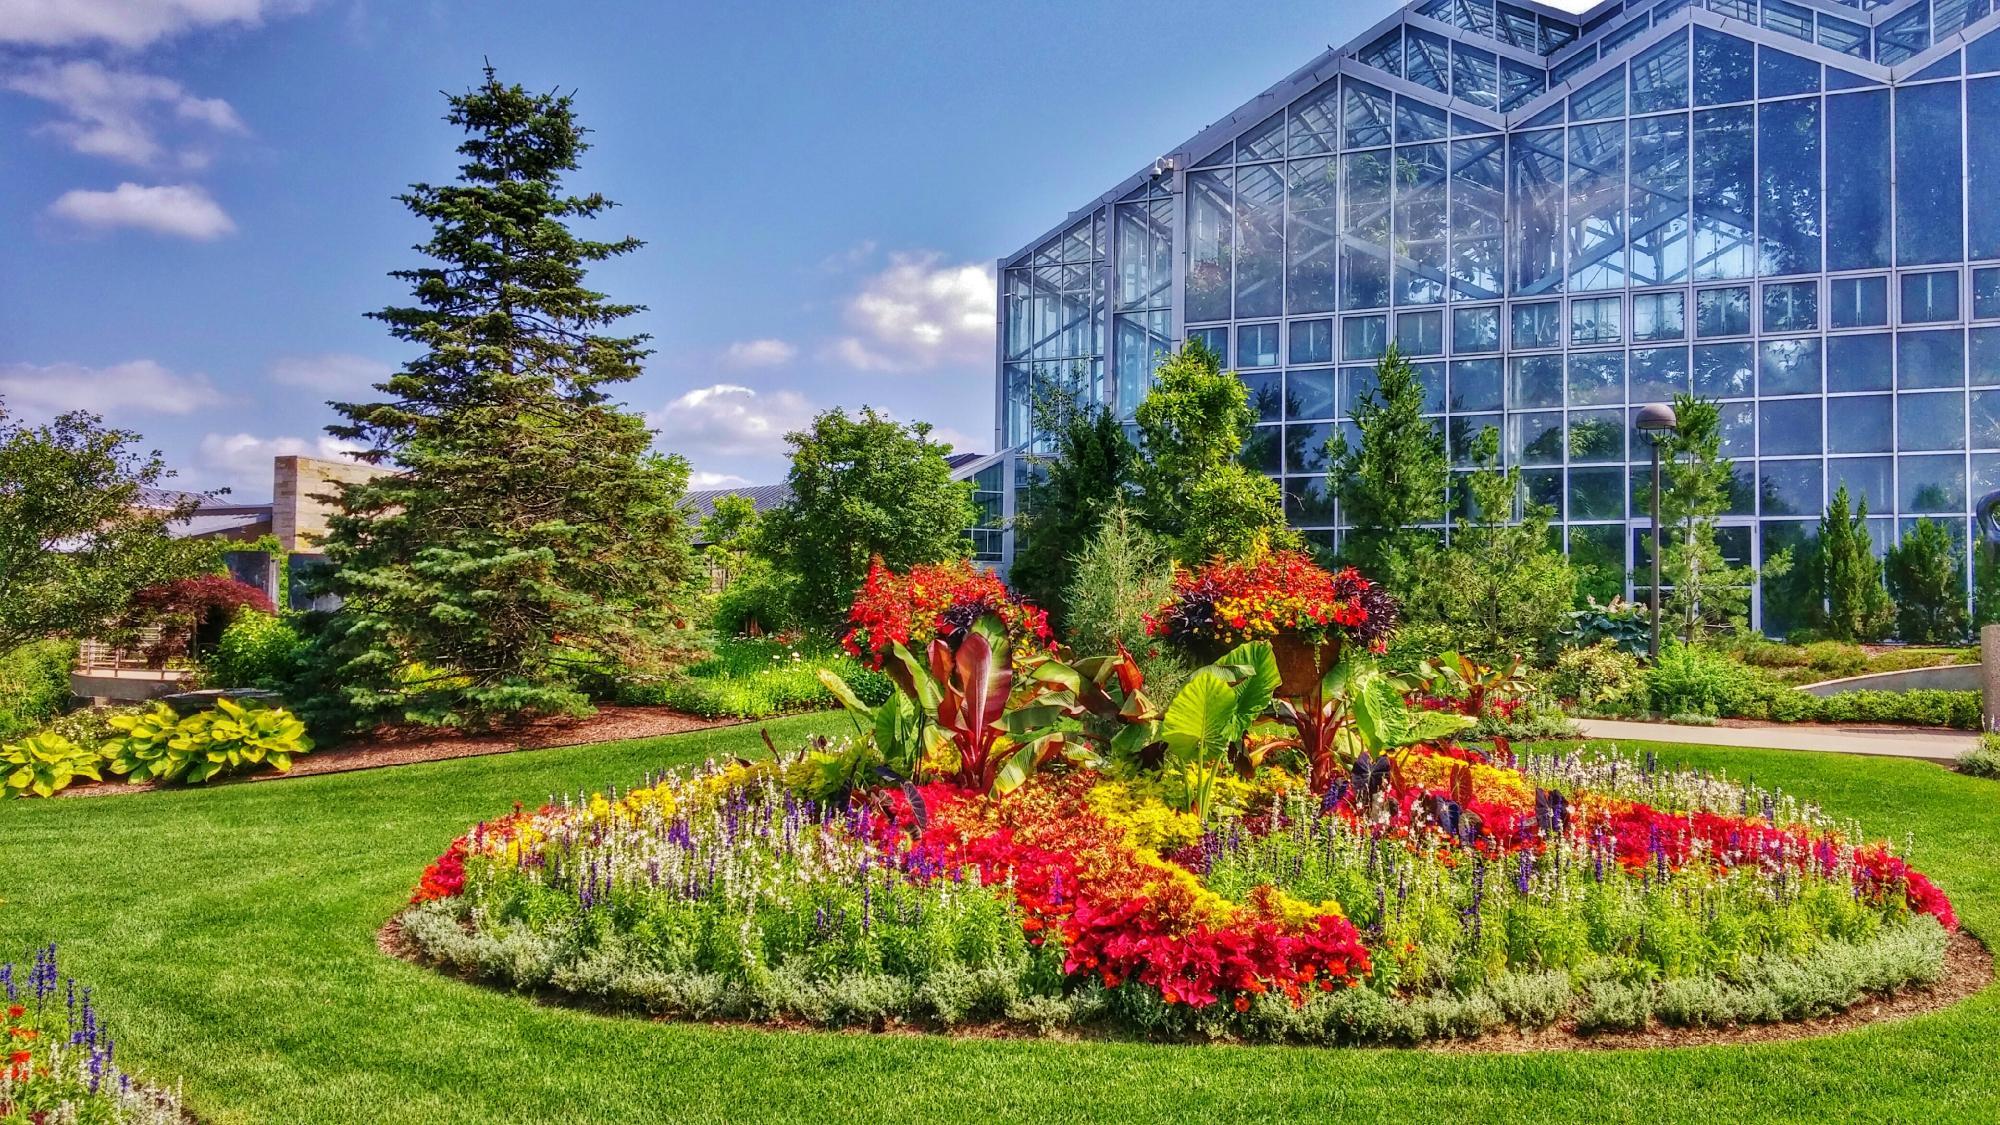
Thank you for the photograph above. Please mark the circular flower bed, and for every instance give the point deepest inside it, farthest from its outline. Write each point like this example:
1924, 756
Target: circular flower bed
1430, 892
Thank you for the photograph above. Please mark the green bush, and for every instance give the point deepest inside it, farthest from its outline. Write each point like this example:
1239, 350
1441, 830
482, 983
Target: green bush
759, 598
1699, 680
1982, 760
34, 685
257, 650
42, 765
756, 679
158, 745
1601, 678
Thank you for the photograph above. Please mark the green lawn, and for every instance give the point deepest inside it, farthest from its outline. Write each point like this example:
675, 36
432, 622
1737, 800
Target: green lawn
231, 937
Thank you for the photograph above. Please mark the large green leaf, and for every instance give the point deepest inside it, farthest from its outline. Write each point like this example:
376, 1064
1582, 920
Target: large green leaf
1201, 721
1254, 669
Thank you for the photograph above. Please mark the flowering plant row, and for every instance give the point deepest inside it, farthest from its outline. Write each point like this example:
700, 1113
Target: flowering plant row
933, 601
59, 1060
1431, 875
1275, 594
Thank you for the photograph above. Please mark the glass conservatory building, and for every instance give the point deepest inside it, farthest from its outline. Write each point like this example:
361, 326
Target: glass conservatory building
1792, 206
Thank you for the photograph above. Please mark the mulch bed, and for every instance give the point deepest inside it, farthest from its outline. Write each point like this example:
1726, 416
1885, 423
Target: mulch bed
1968, 968
405, 746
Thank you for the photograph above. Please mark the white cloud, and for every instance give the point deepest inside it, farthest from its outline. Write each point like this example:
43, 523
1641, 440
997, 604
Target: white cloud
125, 23
700, 482
183, 210
919, 313
726, 420
331, 373
242, 462
758, 353
120, 114
138, 386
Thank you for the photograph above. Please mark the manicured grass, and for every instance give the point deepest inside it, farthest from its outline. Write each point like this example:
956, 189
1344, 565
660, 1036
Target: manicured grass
231, 936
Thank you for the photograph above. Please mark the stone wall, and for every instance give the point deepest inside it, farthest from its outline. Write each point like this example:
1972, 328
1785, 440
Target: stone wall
300, 497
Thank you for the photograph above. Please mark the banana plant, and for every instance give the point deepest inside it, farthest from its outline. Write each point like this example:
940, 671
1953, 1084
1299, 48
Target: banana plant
1211, 723
1358, 709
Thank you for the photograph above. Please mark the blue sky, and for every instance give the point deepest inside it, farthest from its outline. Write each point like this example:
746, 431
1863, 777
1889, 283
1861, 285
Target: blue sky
195, 195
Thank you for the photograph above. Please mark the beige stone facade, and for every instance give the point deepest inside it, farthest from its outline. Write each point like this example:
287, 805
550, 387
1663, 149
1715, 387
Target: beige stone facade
301, 496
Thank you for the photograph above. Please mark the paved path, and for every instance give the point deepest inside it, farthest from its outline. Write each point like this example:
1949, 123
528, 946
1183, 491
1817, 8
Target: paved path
1894, 742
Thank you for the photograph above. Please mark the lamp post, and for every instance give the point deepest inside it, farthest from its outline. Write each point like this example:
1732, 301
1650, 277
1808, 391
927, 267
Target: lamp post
1656, 421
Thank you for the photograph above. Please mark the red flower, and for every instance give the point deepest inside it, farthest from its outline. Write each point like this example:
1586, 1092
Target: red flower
931, 601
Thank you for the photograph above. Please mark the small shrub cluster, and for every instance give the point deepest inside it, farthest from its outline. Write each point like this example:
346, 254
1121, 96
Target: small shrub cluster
1982, 760
257, 650
752, 679
1602, 679
154, 744
34, 685
1692, 679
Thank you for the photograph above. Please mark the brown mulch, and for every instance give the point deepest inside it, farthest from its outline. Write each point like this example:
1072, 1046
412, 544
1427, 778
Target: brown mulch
1968, 968
408, 745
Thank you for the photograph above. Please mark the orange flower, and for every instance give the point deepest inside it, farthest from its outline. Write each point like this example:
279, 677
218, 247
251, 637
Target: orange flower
19, 1057
15, 1011
1242, 1003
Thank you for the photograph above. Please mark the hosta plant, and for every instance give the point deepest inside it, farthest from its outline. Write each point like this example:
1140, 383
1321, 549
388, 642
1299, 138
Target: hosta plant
143, 749
236, 736
44, 764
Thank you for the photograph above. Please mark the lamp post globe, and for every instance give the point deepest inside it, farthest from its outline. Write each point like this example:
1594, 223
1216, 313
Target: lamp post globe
1656, 420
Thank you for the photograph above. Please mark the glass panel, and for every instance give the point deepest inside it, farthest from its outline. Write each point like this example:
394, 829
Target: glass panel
1537, 170
1260, 241
1309, 394
1420, 333
1790, 488
1723, 370
1930, 359
1788, 367
1658, 374
1311, 341
1476, 384
1368, 115
1421, 224
1739, 439
1316, 121
1985, 420
1364, 337
1475, 76
1861, 424
1266, 391
1724, 163
1791, 307
1312, 234
1930, 297
1931, 421
1257, 345
1931, 485
1659, 200
1520, 84
1263, 451
1860, 363
1264, 142
1724, 68
1464, 430
1475, 331
1659, 316
1536, 439
1985, 294
1538, 325
1364, 247
1426, 60
1597, 494
1596, 378
1538, 381
1597, 206
1596, 321
1788, 19
1868, 480
1604, 97
1982, 105
1985, 369
1840, 35
1929, 185
1211, 221
1781, 74
1857, 183
1145, 239
1660, 77
1416, 121
1722, 312
1478, 217
1307, 503
1903, 35
1386, 53
1788, 150
1858, 302
1789, 425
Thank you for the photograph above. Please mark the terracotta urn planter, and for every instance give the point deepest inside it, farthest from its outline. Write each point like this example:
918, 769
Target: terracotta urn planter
1300, 662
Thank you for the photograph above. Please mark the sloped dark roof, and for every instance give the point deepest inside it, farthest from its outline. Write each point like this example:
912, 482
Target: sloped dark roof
701, 504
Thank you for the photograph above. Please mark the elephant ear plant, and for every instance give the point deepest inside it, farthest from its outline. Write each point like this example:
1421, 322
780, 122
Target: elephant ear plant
1212, 723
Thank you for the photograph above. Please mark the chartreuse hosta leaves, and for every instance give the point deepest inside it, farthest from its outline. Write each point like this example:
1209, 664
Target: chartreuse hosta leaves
158, 745
42, 765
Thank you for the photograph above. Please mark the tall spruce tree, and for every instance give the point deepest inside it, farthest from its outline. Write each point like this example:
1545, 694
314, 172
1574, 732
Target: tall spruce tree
1849, 576
1926, 579
1069, 492
524, 531
1395, 481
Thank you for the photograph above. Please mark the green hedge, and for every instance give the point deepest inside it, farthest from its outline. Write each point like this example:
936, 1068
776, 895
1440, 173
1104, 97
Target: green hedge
754, 679
34, 686
1702, 681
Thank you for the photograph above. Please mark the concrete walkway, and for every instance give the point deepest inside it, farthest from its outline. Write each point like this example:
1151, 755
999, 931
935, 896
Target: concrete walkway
1893, 742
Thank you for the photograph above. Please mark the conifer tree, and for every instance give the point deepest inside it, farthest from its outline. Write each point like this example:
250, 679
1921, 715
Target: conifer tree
1849, 575
1193, 489
1703, 588
1068, 493
1926, 576
1395, 481
524, 532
